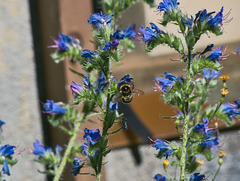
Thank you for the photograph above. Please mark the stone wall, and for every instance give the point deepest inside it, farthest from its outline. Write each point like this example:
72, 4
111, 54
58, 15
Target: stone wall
19, 100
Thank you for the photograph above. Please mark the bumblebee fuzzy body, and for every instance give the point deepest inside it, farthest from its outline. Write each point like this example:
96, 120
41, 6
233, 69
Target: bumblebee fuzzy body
127, 92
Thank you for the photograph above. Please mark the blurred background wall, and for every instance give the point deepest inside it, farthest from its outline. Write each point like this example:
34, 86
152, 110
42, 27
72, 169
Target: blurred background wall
19, 102
28, 76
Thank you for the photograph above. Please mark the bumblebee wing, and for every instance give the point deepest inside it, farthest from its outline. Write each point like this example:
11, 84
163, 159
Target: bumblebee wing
137, 92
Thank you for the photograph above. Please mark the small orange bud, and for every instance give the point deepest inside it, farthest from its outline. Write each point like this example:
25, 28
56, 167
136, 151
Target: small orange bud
224, 78
165, 163
224, 92
200, 162
222, 154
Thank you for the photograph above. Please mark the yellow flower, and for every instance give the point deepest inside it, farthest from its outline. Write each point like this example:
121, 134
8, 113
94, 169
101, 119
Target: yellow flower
200, 162
222, 154
224, 91
165, 163
224, 77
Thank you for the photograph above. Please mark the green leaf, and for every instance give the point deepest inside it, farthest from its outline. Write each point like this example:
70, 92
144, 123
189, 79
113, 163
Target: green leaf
76, 72
106, 152
168, 39
175, 163
224, 117
191, 99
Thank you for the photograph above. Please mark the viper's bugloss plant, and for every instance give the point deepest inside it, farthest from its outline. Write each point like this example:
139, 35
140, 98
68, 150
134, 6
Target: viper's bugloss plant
98, 92
189, 93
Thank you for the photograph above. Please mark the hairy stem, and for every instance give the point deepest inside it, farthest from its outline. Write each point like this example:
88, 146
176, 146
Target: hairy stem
216, 173
68, 150
186, 121
184, 149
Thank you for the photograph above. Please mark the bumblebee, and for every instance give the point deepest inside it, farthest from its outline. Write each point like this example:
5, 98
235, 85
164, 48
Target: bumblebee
126, 90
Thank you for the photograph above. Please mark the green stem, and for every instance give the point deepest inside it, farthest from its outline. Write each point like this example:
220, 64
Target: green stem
186, 121
98, 177
216, 173
69, 147
184, 149
217, 108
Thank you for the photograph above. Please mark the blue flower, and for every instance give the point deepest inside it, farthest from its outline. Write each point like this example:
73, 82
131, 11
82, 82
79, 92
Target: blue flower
113, 106
168, 5
76, 88
217, 19
5, 168
115, 41
125, 80
92, 136
118, 35
160, 145
40, 149
210, 74
86, 81
6, 151
230, 109
64, 42
53, 108
163, 84
169, 153
100, 19
196, 177
130, 32
101, 83
76, 169
238, 50
170, 76
87, 54
150, 34
203, 15
107, 46
44, 151
159, 177
85, 148
203, 128
237, 102
216, 54
187, 21
210, 144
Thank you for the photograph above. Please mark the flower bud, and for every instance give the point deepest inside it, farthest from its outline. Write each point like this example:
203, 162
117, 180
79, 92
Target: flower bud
224, 92
177, 123
222, 154
200, 162
220, 161
165, 164
224, 78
